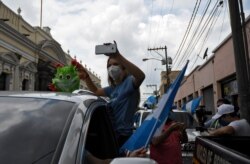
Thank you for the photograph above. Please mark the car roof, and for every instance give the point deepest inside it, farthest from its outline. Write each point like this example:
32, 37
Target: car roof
65, 96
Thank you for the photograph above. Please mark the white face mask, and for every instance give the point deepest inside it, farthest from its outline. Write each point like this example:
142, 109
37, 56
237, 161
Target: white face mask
114, 71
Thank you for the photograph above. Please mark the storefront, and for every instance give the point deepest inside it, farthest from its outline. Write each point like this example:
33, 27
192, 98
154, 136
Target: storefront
208, 98
229, 89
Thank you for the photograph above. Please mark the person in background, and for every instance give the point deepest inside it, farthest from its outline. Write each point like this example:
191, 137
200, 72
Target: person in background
166, 148
124, 80
236, 127
224, 116
210, 123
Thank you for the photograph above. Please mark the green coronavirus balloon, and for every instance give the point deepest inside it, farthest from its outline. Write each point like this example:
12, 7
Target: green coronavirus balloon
66, 79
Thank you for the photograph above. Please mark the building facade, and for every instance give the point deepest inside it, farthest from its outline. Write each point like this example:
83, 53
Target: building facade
28, 55
215, 79
171, 75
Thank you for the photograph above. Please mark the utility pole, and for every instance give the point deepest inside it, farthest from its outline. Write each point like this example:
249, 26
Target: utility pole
241, 58
167, 62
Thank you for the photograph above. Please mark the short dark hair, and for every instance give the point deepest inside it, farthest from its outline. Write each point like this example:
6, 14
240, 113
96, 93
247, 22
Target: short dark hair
224, 101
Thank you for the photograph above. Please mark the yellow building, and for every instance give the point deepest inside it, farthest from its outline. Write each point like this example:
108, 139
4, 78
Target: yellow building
28, 55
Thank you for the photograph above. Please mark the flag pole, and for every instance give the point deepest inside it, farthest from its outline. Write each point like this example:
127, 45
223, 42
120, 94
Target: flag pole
41, 13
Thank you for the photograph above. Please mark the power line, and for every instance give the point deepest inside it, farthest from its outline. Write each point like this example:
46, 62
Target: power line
158, 24
205, 34
223, 20
209, 31
187, 31
151, 13
170, 11
200, 22
202, 33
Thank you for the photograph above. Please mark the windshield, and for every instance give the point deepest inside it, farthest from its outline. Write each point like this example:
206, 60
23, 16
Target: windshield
139, 117
30, 128
186, 118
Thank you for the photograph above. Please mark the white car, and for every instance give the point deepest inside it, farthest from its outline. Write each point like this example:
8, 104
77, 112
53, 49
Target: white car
140, 116
55, 127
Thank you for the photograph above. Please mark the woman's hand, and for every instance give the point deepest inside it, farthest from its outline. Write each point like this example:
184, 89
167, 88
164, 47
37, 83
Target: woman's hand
82, 73
138, 153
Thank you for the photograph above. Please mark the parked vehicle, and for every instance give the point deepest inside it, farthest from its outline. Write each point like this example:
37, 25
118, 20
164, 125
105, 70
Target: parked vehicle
140, 116
180, 116
229, 149
188, 120
51, 127
191, 124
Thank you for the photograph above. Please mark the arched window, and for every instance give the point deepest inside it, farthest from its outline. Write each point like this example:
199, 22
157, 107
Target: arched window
3, 77
25, 85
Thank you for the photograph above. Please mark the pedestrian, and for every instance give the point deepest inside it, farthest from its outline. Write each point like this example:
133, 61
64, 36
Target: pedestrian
220, 119
231, 123
124, 80
212, 122
238, 127
166, 148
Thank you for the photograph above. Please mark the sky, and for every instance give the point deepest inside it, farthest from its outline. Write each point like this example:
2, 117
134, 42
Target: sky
136, 25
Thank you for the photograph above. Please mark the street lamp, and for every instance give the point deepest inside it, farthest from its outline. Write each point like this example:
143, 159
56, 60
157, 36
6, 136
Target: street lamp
164, 61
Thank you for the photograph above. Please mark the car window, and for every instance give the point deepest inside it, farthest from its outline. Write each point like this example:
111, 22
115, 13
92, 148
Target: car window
137, 119
30, 128
101, 141
144, 115
140, 116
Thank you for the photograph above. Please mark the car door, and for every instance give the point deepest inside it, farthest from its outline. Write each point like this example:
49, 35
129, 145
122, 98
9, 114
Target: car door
97, 136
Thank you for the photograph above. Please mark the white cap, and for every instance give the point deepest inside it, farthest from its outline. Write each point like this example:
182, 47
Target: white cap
223, 109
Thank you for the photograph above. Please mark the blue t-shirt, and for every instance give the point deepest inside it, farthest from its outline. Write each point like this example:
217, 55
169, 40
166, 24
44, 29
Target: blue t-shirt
122, 106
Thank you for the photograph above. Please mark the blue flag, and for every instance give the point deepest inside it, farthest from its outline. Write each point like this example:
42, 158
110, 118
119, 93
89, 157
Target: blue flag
150, 102
192, 105
153, 123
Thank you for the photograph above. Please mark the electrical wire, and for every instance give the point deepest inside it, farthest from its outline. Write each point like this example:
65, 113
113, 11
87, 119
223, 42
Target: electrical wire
209, 31
195, 32
223, 20
194, 44
186, 32
201, 20
158, 25
167, 19
150, 26
199, 35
